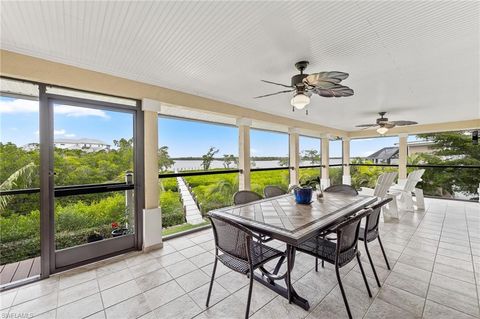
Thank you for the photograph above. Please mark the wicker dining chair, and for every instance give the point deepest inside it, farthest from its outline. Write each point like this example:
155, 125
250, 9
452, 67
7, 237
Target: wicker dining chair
370, 232
342, 189
341, 252
245, 197
272, 191
239, 251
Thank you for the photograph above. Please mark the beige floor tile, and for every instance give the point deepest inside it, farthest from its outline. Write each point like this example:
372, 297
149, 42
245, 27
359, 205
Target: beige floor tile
81, 308
193, 280
181, 308
153, 279
163, 294
434, 310
77, 292
402, 299
129, 309
120, 293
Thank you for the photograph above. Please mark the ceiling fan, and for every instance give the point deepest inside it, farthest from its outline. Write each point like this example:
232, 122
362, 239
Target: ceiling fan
326, 84
384, 124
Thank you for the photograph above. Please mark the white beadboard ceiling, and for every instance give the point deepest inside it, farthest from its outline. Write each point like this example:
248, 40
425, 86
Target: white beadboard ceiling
418, 60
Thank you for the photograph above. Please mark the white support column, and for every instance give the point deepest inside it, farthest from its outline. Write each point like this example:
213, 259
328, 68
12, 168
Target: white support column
402, 158
346, 179
244, 153
152, 214
294, 153
325, 180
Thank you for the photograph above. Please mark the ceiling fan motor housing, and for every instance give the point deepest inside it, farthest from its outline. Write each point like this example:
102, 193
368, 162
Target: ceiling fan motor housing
297, 80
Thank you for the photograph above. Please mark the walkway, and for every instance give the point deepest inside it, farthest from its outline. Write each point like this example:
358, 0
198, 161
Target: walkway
192, 213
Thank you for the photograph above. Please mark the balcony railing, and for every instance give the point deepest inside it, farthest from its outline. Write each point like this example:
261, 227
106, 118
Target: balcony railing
454, 182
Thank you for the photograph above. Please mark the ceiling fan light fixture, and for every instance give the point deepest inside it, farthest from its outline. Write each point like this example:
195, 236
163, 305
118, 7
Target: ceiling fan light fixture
299, 101
382, 130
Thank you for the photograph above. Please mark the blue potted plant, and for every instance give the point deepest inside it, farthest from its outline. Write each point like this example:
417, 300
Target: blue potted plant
304, 192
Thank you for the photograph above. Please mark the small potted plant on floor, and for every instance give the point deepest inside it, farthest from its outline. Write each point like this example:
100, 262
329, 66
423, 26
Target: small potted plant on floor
118, 229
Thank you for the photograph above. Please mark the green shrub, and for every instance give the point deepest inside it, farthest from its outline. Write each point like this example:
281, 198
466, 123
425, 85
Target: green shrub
172, 209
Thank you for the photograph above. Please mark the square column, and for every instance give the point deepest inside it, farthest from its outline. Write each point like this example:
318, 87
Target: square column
402, 158
325, 180
152, 214
346, 178
294, 153
244, 153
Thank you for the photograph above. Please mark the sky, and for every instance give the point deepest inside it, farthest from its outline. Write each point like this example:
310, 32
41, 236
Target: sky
19, 124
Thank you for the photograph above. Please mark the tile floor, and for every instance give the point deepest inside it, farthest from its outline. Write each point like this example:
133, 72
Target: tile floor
435, 259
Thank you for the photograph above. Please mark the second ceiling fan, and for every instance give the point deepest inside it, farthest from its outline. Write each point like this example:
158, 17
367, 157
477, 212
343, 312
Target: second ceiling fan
326, 84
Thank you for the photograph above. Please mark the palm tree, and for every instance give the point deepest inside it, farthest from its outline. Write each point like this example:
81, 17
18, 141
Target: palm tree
23, 177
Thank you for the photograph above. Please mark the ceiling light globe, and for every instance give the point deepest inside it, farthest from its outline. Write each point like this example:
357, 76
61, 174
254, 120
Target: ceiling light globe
299, 101
382, 130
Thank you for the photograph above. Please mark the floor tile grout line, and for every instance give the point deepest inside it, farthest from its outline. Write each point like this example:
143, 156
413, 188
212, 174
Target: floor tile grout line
434, 259
473, 262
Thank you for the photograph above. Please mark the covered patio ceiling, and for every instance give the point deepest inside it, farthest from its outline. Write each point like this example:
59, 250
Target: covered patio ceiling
416, 60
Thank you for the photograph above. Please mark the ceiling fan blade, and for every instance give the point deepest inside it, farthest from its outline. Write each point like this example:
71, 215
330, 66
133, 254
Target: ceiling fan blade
404, 123
286, 91
332, 76
284, 85
337, 91
366, 125
325, 85
389, 125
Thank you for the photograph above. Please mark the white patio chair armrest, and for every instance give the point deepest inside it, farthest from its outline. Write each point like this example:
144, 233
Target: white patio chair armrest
367, 191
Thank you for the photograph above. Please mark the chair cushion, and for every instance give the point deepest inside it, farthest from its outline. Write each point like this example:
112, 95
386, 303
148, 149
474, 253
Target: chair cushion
326, 250
259, 253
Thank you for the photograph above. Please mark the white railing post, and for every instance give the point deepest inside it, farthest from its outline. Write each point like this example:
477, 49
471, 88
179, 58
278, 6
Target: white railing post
402, 158
152, 214
325, 180
294, 154
244, 153
346, 178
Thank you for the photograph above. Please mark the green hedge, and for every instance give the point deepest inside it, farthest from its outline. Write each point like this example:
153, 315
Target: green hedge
17, 250
170, 202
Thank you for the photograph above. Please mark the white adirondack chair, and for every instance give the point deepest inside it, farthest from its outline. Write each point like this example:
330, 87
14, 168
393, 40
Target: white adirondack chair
384, 182
404, 192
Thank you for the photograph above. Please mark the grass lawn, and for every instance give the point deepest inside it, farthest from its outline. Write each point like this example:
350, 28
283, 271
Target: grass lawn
180, 228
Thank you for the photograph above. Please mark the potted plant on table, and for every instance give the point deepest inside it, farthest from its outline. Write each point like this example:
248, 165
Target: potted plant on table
303, 192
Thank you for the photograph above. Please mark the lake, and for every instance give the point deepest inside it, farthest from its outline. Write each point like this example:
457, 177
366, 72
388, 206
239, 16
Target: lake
197, 164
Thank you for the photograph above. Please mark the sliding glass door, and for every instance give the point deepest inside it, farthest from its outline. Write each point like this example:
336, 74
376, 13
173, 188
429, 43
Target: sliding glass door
92, 166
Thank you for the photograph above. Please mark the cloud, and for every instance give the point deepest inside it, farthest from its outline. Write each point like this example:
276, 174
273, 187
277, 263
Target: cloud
19, 106
74, 111
60, 132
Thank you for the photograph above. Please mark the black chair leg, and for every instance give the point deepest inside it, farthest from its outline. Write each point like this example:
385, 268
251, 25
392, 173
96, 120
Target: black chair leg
249, 295
371, 264
337, 271
316, 264
363, 275
323, 264
211, 281
383, 251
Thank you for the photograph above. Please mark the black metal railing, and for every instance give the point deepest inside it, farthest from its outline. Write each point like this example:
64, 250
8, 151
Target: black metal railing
61, 191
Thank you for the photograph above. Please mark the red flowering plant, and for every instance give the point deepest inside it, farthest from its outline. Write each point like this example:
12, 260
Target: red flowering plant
114, 225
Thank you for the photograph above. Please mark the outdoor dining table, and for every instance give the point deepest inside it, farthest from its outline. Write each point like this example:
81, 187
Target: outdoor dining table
281, 218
